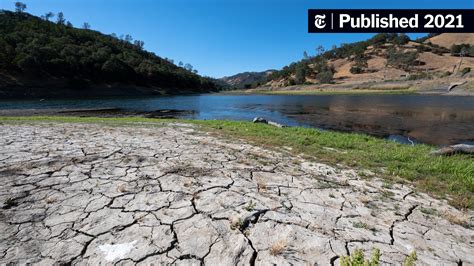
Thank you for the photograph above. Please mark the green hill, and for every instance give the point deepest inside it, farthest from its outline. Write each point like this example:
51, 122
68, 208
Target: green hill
39, 58
247, 79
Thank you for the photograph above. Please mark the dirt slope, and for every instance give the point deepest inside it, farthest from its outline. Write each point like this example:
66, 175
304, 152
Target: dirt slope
448, 39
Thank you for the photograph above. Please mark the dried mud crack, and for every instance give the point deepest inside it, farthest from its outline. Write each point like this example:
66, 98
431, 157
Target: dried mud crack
90, 194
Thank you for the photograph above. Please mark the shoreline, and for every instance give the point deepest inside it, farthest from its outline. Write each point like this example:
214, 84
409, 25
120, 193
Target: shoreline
360, 151
395, 135
420, 87
105, 112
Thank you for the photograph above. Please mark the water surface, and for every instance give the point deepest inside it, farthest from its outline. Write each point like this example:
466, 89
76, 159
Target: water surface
430, 119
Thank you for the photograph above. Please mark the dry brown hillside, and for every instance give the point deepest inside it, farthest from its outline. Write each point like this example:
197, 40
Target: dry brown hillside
432, 63
448, 39
427, 61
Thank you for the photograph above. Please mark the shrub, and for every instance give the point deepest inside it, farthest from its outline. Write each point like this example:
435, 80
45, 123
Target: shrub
417, 76
300, 75
356, 70
357, 259
400, 59
423, 48
410, 259
461, 49
465, 70
444, 74
325, 77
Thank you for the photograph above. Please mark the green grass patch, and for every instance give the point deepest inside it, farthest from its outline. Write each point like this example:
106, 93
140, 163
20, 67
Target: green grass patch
445, 177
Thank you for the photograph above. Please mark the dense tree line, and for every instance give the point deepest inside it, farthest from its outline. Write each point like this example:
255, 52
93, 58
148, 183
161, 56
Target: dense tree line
36, 46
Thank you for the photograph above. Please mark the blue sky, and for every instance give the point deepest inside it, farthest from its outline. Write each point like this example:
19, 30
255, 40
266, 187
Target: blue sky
220, 37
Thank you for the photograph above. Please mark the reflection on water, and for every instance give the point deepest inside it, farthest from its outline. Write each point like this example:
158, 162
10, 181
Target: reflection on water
430, 119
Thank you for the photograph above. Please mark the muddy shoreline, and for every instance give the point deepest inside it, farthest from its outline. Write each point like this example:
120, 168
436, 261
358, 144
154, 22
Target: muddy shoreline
369, 122
97, 112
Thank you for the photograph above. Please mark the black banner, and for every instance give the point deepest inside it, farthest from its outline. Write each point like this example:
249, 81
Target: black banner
390, 20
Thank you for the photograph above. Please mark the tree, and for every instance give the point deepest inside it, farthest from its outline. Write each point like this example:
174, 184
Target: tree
20, 7
180, 63
402, 60
360, 63
60, 19
115, 68
319, 50
305, 55
464, 51
69, 24
300, 74
460, 49
86, 26
128, 38
48, 16
188, 67
402, 39
195, 71
139, 44
325, 76
30, 45
324, 70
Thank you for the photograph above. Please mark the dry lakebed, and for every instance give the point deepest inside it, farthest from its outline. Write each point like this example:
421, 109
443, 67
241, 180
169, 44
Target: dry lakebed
94, 194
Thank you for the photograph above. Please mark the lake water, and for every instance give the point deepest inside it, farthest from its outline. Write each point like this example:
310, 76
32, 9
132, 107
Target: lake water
424, 118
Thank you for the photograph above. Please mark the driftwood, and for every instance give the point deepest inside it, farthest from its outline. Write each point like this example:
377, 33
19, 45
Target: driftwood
454, 149
455, 84
264, 121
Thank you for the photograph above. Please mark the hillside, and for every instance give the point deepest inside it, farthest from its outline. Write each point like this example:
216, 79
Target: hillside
448, 39
39, 58
247, 79
383, 58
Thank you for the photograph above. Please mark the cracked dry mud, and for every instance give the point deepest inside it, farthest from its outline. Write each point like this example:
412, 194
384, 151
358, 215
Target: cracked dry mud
90, 194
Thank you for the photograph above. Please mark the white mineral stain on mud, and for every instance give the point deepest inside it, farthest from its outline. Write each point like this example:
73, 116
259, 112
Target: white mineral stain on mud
117, 251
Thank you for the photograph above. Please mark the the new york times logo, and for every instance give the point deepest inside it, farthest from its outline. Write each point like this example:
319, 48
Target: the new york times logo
396, 21
319, 21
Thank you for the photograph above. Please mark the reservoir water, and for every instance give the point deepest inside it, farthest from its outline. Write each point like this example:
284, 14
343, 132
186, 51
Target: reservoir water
429, 119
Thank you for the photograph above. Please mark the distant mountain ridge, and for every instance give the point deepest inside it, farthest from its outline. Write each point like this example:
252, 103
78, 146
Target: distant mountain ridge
244, 79
39, 58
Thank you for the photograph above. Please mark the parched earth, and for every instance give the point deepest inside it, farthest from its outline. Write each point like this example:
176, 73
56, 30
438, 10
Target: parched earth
98, 194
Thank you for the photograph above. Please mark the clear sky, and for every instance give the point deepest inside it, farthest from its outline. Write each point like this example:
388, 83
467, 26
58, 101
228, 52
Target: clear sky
220, 37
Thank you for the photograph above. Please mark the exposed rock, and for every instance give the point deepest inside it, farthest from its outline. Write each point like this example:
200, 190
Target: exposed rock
455, 84
264, 121
453, 149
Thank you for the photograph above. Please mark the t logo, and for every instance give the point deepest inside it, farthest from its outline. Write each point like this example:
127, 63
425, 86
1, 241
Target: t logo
319, 21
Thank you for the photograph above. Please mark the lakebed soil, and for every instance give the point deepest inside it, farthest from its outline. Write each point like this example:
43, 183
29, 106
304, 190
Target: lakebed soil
143, 194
